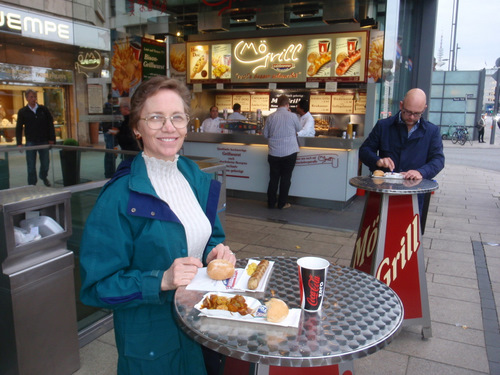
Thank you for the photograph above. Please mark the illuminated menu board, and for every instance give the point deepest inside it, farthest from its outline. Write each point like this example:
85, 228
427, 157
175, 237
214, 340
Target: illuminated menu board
259, 101
327, 57
243, 100
319, 104
224, 102
342, 102
360, 104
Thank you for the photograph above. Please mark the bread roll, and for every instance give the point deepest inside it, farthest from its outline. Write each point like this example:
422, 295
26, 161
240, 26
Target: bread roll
220, 269
378, 173
277, 310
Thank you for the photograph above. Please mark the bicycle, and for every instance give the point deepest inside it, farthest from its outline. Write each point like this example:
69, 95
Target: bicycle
448, 134
461, 135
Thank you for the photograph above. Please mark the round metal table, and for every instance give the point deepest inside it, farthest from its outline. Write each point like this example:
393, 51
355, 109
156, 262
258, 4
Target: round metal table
360, 315
393, 186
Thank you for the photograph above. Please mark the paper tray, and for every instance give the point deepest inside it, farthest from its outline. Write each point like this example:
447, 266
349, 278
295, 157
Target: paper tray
292, 320
236, 283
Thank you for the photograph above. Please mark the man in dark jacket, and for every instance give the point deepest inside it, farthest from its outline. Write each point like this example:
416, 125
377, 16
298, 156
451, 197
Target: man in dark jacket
38, 125
125, 137
405, 143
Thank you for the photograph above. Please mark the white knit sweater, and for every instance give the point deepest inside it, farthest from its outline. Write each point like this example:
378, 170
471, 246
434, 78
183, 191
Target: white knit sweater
173, 188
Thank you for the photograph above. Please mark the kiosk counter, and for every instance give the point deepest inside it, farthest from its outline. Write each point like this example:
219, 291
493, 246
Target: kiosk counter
321, 175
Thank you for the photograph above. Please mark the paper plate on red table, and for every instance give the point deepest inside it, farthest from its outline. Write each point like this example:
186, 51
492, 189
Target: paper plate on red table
253, 307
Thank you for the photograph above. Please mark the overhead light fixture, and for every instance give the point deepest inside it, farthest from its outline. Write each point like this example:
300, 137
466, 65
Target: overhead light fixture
339, 11
368, 23
243, 16
273, 16
212, 22
305, 11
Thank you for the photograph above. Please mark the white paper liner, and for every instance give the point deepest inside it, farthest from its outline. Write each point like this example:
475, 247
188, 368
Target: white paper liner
292, 320
239, 281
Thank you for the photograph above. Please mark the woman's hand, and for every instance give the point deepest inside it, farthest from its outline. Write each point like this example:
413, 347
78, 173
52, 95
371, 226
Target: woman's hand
180, 273
221, 251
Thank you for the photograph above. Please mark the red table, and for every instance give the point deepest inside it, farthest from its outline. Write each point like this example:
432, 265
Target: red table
389, 244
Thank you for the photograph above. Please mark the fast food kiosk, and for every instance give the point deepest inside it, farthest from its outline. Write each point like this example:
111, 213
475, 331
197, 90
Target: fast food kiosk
330, 70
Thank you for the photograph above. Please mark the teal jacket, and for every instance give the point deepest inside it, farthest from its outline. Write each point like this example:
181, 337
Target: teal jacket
130, 239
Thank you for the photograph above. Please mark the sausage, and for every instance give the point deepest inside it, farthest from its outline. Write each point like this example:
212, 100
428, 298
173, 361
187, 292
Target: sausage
254, 280
346, 64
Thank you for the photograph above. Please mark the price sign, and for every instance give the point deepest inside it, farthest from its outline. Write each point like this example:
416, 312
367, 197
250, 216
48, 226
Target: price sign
320, 103
259, 101
243, 100
224, 101
342, 103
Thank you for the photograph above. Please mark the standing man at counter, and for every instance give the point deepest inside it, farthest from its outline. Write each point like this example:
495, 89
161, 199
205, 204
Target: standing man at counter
281, 131
212, 124
306, 119
405, 142
38, 125
236, 115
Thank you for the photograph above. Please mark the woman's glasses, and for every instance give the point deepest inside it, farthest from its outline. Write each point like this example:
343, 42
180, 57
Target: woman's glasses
156, 122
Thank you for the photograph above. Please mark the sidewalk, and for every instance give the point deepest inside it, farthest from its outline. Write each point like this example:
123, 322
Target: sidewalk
463, 222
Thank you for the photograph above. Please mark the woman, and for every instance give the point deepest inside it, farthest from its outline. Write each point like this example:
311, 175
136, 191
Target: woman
153, 225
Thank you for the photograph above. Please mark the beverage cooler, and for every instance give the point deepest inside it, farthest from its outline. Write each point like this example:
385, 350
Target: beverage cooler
38, 326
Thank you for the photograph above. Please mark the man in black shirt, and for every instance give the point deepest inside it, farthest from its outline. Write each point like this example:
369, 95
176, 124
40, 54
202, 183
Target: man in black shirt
38, 125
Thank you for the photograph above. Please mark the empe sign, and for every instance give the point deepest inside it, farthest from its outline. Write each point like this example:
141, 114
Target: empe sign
35, 25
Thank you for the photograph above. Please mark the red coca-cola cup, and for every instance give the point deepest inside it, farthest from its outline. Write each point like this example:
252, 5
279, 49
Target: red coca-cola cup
312, 282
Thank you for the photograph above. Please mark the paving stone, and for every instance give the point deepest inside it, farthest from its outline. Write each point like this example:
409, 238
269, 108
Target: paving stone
446, 310
385, 362
441, 351
418, 366
456, 268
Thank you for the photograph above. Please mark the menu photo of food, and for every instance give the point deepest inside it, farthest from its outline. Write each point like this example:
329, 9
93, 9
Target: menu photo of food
347, 57
198, 57
178, 57
127, 67
376, 56
221, 61
319, 57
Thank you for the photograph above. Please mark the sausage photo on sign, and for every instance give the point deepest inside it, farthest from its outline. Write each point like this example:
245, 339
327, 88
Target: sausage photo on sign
348, 62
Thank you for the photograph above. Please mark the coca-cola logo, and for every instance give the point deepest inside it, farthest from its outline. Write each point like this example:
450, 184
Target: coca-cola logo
315, 290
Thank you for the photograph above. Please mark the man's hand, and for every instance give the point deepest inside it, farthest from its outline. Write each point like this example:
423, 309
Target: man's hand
412, 175
386, 163
180, 273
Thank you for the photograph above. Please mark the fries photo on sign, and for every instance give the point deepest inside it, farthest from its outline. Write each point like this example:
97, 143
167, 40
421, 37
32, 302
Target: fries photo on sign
376, 56
127, 68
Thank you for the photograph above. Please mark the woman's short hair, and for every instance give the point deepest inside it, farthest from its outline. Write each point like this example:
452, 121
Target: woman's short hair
150, 88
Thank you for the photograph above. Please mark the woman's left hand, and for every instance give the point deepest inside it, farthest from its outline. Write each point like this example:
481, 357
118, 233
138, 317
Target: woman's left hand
221, 251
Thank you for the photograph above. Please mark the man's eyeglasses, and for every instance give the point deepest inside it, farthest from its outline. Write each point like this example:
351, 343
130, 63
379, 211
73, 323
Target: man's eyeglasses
156, 122
410, 113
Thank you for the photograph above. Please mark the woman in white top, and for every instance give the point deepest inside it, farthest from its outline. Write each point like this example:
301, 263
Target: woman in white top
153, 226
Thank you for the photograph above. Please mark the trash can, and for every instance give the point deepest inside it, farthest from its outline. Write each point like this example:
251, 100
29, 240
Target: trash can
38, 324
